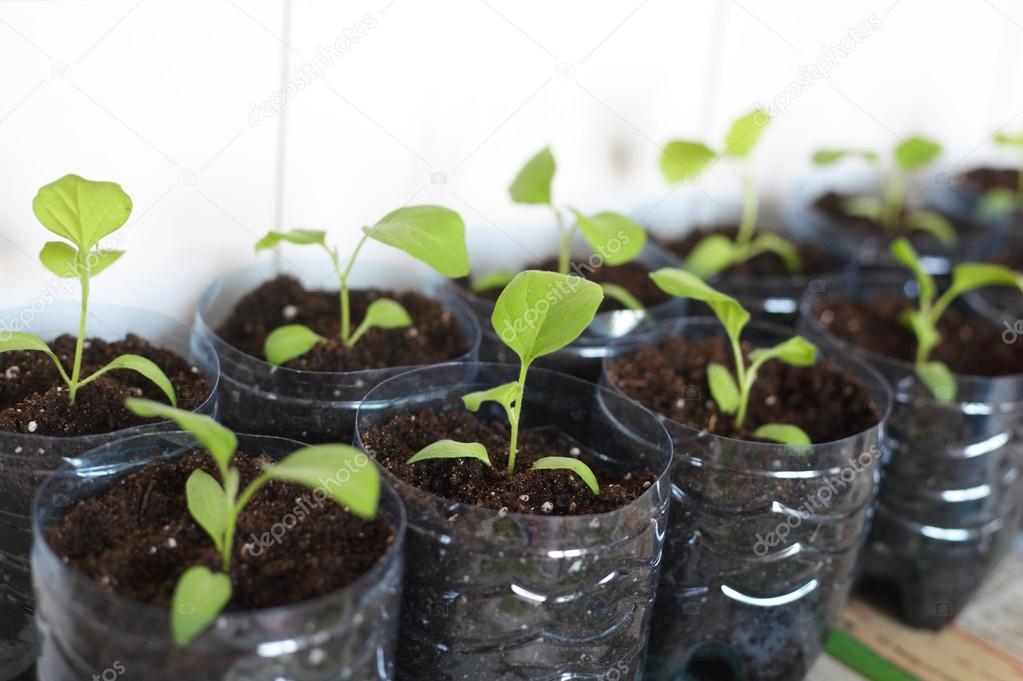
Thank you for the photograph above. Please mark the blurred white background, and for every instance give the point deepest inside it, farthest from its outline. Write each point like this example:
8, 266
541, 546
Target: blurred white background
224, 118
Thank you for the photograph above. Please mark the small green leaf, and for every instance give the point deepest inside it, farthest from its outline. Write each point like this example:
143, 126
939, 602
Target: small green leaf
505, 395
907, 256
541, 312
533, 183
208, 504
347, 475
300, 237
614, 237
939, 380
916, 152
567, 463
682, 284
772, 243
199, 598
450, 449
784, 433
432, 234
622, 295
745, 133
14, 341
796, 351
60, 258
288, 342
723, 388
82, 211
713, 254
934, 224
1009, 140
973, 275
382, 314
866, 207
220, 442
97, 261
998, 202
825, 157
491, 281
140, 365
683, 161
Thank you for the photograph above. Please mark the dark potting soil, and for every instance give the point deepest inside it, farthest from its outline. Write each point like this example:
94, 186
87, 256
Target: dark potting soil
472, 482
634, 277
137, 538
815, 260
970, 344
671, 379
985, 179
435, 335
34, 398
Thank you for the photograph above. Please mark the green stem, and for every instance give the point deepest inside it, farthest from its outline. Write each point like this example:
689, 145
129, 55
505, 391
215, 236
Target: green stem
891, 206
939, 307
740, 371
565, 247
76, 370
346, 314
236, 510
513, 444
749, 209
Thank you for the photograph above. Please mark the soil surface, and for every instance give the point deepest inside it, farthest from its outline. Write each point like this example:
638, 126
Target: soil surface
472, 482
815, 260
833, 204
435, 335
137, 538
671, 379
970, 344
34, 398
986, 179
634, 277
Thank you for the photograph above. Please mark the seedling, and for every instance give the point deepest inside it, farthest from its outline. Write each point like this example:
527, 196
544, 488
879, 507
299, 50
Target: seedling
432, 234
215, 505
685, 160
537, 313
612, 236
82, 212
732, 393
923, 320
890, 210
1002, 200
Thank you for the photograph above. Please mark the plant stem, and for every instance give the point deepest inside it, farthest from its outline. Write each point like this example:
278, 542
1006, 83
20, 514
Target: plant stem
76, 370
939, 307
891, 206
515, 417
342, 276
565, 247
740, 370
749, 209
235, 511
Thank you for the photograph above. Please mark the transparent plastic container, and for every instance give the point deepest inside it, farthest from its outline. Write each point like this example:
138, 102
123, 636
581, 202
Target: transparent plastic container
763, 541
581, 358
502, 596
951, 496
1000, 304
348, 635
26, 460
309, 406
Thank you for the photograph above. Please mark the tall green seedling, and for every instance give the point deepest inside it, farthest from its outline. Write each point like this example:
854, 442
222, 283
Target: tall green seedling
1002, 200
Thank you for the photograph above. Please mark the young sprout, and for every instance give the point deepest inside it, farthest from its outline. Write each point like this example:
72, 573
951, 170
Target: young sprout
685, 160
432, 234
537, 313
1002, 200
923, 320
731, 394
614, 237
215, 505
890, 210
82, 212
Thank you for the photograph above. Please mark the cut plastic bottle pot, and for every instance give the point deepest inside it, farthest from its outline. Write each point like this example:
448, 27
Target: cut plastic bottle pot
492, 595
348, 635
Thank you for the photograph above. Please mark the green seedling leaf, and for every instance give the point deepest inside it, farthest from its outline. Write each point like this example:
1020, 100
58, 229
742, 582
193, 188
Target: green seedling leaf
554, 463
711, 255
13, 341
772, 243
825, 157
208, 504
723, 388
969, 276
683, 161
1009, 140
907, 256
60, 258
866, 207
622, 295
300, 237
916, 152
505, 395
344, 473
142, 366
934, 224
745, 133
432, 234
199, 598
382, 314
784, 433
491, 281
796, 351
533, 183
288, 342
998, 202
82, 211
614, 237
449, 449
939, 380
541, 312
682, 284
220, 442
